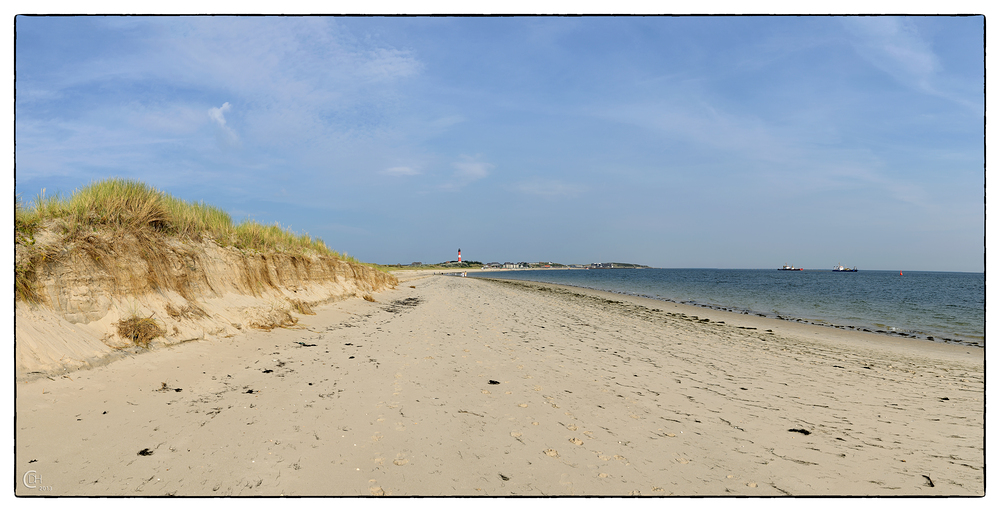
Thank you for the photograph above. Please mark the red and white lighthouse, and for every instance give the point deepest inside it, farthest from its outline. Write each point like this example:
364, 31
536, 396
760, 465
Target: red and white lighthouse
459, 255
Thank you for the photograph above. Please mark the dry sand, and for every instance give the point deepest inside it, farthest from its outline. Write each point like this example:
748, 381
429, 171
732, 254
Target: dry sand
464, 387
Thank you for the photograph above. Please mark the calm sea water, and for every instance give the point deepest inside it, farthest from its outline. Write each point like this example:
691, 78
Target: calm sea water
945, 306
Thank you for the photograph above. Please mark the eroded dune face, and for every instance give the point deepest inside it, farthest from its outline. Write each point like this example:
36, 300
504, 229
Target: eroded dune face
192, 290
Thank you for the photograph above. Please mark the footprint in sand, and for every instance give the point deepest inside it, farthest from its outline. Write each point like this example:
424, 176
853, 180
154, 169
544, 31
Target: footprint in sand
589, 434
602, 475
576, 441
376, 491
752, 484
515, 433
551, 453
522, 405
401, 462
571, 427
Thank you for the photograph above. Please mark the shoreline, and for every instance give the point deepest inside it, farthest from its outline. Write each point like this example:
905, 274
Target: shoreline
748, 312
777, 325
472, 387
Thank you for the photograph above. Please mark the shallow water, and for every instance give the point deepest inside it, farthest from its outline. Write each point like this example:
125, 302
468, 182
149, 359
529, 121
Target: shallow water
945, 306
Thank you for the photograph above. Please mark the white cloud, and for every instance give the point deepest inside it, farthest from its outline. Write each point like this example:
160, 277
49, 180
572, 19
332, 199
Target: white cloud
305, 82
226, 134
468, 170
471, 170
304, 91
401, 171
217, 114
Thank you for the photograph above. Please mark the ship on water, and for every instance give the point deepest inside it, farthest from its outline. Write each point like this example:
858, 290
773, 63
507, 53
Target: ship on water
841, 268
786, 266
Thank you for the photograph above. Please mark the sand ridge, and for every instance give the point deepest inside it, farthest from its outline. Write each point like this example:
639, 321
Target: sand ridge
451, 386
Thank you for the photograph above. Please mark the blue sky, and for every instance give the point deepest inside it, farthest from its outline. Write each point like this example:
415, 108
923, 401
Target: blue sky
734, 142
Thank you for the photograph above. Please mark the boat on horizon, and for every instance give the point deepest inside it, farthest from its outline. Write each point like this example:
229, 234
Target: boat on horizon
786, 266
841, 268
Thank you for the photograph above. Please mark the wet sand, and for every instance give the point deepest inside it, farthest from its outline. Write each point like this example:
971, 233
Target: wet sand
451, 386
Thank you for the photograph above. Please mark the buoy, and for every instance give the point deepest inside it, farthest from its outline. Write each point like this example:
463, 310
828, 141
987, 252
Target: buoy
900, 272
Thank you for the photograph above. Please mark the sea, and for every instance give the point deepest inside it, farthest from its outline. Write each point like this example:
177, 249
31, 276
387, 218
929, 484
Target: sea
948, 307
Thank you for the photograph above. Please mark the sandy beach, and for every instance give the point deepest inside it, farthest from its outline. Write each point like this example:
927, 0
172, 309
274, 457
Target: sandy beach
449, 386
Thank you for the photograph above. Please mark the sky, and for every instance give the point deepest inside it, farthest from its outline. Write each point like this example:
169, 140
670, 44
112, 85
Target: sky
719, 142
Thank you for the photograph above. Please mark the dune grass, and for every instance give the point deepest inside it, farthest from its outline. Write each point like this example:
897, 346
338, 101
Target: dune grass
134, 206
128, 207
141, 331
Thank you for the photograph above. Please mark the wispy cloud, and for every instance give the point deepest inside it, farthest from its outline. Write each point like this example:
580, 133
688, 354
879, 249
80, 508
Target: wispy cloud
227, 137
218, 114
446, 122
710, 119
793, 160
896, 46
389, 64
401, 171
300, 91
703, 126
471, 170
468, 170
548, 187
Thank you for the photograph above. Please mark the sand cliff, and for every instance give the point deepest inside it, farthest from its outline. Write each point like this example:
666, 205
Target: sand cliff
193, 290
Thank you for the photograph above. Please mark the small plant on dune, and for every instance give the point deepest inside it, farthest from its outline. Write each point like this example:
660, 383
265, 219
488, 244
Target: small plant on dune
301, 307
140, 330
24, 282
25, 224
369, 298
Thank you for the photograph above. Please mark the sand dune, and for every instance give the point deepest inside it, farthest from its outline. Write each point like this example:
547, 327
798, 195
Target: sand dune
463, 387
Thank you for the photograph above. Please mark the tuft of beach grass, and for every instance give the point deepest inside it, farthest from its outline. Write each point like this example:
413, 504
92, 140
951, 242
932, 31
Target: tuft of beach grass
140, 330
